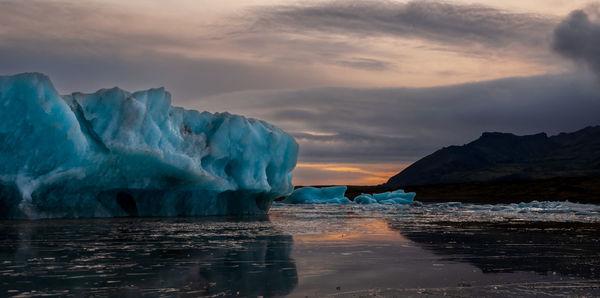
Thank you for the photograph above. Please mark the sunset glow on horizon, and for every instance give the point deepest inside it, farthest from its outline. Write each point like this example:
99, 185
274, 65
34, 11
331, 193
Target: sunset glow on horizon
345, 174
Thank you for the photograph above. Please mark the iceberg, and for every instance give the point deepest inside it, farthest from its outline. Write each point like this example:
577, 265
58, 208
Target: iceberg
335, 195
116, 153
393, 197
365, 199
313, 195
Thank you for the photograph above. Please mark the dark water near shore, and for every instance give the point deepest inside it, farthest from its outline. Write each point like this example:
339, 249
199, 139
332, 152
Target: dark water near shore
308, 251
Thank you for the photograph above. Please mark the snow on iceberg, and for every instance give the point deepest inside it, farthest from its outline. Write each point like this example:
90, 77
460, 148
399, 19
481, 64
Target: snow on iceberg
115, 153
393, 197
312, 195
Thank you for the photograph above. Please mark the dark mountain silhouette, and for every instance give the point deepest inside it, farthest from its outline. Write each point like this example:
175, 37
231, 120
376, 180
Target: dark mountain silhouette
507, 157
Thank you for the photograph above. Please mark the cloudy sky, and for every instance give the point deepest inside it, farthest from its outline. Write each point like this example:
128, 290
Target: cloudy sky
366, 87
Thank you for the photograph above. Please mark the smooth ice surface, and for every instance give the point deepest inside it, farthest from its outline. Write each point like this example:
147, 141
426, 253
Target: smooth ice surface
393, 197
312, 195
116, 153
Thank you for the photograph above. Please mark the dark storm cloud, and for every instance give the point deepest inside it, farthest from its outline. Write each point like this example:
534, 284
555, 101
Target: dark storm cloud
403, 124
436, 21
578, 38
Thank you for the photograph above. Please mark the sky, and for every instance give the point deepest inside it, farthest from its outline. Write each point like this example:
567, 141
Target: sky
365, 87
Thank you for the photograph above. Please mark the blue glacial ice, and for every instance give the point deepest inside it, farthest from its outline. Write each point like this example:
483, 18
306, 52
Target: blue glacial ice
312, 195
335, 195
116, 153
388, 198
365, 199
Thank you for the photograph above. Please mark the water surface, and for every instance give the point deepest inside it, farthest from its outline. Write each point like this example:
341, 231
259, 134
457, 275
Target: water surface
344, 250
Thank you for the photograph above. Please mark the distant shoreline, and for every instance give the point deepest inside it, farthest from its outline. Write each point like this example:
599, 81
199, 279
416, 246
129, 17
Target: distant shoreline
573, 189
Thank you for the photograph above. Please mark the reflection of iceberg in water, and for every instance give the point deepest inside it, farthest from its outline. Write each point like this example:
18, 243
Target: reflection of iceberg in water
568, 248
132, 257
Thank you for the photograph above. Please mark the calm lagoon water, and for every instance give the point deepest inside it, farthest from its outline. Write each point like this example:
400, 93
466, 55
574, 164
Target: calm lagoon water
310, 251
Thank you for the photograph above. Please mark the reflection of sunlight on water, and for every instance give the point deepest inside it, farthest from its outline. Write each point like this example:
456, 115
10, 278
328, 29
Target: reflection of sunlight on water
358, 230
438, 250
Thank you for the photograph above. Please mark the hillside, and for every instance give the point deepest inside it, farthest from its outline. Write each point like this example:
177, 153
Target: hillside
507, 157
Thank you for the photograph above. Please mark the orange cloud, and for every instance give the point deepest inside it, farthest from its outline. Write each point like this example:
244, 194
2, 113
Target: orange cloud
345, 174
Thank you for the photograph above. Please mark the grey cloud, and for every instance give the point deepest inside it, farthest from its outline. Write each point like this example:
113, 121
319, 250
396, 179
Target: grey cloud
304, 49
85, 25
283, 48
83, 48
349, 147
578, 38
294, 113
438, 21
365, 63
185, 78
103, 44
404, 124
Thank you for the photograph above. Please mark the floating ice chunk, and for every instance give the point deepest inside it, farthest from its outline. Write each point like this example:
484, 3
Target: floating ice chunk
531, 207
365, 199
312, 195
534, 207
394, 197
387, 202
499, 208
417, 204
116, 153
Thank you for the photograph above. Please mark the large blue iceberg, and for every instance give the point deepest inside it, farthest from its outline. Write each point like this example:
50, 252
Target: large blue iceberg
115, 153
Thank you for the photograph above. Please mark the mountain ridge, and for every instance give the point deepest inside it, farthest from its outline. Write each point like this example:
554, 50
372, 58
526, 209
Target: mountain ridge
497, 156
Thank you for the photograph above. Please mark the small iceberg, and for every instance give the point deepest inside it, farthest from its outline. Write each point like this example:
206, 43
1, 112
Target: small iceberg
336, 195
388, 198
313, 195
